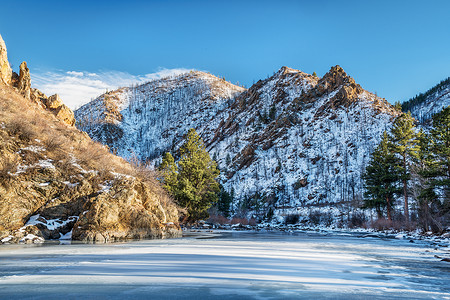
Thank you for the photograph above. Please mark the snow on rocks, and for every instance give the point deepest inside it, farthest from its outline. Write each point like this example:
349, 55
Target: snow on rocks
37, 229
31, 238
291, 141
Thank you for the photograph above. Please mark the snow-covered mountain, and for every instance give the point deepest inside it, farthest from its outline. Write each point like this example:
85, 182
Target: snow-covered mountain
289, 142
150, 119
425, 105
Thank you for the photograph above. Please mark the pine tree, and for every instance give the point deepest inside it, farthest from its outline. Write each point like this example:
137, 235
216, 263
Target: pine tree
193, 182
224, 202
440, 146
381, 178
440, 135
405, 144
434, 173
398, 106
314, 74
424, 169
169, 171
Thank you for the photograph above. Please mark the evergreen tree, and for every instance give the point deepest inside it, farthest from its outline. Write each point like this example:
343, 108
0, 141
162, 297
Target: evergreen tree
169, 171
427, 197
381, 178
314, 74
224, 202
440, 146
398, 106
272, 112
405, 144
193, 183
440, 135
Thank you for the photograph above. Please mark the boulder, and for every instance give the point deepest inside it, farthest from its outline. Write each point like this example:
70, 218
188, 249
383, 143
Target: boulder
59, 109
5, 69
129, 210
54, 102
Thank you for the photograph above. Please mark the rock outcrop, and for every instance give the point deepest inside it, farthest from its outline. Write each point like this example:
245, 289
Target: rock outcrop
59, 109
54, 180
5, 69
22, 82
127, 210
56, 183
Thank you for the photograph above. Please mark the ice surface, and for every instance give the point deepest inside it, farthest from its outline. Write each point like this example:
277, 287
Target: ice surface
243, 265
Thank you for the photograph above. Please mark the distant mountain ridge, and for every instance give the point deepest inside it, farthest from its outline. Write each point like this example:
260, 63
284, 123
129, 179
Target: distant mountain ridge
288, 143
425, 105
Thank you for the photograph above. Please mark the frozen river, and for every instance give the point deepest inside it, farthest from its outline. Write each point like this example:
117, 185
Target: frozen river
238, 265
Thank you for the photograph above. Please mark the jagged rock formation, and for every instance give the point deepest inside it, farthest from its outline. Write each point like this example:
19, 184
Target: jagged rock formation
22, 83
54, 178
5, 69
59, 109
425, 105
55, 182
290, 142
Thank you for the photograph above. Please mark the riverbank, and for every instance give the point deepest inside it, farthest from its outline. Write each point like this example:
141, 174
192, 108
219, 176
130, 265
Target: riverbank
443, 240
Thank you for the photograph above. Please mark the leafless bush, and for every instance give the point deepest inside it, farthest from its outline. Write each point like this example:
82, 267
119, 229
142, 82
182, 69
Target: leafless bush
218, 219
357, 220
243, 221
93, 155
22, 129
316, 217
53, 143
382, 224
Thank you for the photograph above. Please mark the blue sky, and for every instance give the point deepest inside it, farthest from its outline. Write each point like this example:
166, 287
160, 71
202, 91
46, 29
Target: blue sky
394, 48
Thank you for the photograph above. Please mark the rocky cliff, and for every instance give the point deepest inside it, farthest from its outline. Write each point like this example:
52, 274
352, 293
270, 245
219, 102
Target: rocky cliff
290, 143
22, 83
56, 183
5, 69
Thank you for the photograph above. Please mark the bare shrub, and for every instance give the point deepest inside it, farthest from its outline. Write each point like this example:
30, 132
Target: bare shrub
53, 143
237, 220
22, 129
218, 219
316, 217
93, 155
357, 220
382, 224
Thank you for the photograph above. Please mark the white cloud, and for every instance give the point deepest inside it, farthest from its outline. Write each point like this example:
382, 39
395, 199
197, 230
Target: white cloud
77, 88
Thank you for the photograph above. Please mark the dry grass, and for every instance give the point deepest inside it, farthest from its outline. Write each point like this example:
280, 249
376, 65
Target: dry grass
30, 124
8, 166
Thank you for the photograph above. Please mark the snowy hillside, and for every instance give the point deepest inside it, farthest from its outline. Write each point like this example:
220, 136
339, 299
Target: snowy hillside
152, 118
425, 105
288, 142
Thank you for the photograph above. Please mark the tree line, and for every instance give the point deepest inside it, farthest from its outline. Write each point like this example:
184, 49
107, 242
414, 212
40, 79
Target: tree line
411, 163
421, 97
